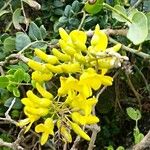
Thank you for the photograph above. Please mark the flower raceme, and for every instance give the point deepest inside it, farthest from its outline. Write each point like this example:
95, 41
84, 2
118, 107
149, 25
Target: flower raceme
81, 69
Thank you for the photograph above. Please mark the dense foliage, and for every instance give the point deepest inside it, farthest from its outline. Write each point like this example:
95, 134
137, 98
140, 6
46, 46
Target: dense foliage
74, 74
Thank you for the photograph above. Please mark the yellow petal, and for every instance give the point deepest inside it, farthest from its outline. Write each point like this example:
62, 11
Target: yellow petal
76, 128
44, 138
54, 69
63, 34
61, 56
23, 122
67, 136
40, 128
78, 118
43, 91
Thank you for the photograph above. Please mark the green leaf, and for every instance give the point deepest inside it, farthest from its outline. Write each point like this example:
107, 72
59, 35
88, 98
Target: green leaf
19, 75
27, 77
22, 40
94, 8
76, 6
3, 82
58, 3
16, 92
134, 114
9, 44
34, 32
68, 11
148, 19
17, 104
122, 10
2, 12
110, 148
10, 87
137, 136
16, 18
120, 148
43, 31
138, 30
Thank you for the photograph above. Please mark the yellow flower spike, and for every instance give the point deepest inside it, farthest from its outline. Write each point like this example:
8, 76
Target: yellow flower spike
43, 91
61, 56
46, 129
67, 49
99, 40
47, 58
71, 68
42, 102
54, 69
79, 39
78, 118
76, 128
39, 77
36, 111
63, 34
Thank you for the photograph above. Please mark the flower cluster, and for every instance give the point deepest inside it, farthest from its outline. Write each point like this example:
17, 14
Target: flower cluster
82, 69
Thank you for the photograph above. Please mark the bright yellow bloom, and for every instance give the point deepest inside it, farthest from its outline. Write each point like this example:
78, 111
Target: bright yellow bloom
29, 121
83, 120
47, 58
41, 102
46, 129
37, 66
78, 39
40, 76
43, 91
67, 84
61, 56
76, 128
40, 111
71, 68
54, 69
99, 41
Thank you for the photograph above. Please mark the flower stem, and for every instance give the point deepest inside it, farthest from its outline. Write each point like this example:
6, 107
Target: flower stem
117, 11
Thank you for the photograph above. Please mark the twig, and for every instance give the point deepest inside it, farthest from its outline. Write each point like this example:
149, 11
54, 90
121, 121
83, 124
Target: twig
15, 145
76, 142
134, 51
83, 19
7, 117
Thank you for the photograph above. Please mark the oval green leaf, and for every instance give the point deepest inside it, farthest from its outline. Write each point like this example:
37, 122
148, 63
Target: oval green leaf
138, 30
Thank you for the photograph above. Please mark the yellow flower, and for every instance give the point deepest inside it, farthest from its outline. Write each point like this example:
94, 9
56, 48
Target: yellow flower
61, 56
76, 128
46, 129
83, 120
54, 69
41, 102
99, 41
78, 39
40, 76
29, 121
43, 91
39, 111
47, 58
71, 68
67, 84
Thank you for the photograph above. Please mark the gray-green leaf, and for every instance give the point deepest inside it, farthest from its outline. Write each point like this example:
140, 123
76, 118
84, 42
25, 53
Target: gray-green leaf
22, 40
134, 114
138, 30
